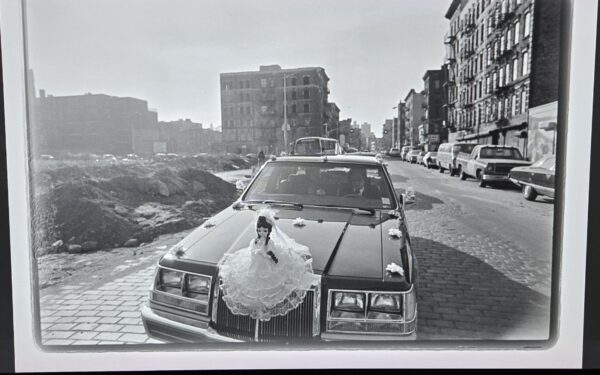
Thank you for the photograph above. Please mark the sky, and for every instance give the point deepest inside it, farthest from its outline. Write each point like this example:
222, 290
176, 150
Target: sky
171, 52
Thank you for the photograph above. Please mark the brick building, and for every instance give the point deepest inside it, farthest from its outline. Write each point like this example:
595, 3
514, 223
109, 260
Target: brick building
430, 130
502, 60
413, 115
388, 134
402, 135
93, 123
186, 137
252, 107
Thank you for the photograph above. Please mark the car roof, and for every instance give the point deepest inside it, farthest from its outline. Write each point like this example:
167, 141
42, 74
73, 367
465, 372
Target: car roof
349, 159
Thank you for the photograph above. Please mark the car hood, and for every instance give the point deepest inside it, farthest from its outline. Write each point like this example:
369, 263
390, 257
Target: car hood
506, 161
342, 243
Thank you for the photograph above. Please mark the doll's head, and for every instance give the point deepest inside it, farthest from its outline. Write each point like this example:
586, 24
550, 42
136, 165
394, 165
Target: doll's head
263, 228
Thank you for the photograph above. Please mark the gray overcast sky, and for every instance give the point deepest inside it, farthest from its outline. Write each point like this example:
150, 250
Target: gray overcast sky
170, 52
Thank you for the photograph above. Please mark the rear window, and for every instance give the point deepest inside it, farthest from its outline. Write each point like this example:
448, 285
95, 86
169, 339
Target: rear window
464, 148
500, 153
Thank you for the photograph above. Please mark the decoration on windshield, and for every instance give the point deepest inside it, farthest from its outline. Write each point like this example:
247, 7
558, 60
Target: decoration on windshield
394, 268
209, 224
299, 222
395, 233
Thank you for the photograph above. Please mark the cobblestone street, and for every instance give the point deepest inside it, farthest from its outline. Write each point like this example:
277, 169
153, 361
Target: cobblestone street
482, 275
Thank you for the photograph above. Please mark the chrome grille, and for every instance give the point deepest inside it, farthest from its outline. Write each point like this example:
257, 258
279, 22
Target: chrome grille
503, 169
296, 324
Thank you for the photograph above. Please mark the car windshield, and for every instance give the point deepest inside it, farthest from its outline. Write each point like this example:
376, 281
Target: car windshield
546, 163
500, 153
323, 184
464, 148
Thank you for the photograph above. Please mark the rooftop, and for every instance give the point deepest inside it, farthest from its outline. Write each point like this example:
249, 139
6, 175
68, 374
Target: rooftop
345, 159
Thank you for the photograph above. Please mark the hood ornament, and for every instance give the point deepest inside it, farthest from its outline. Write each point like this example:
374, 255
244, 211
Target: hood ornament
395, 233
299, 222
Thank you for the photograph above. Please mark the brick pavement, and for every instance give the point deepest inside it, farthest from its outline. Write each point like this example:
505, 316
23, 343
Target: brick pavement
109, 314
474, 285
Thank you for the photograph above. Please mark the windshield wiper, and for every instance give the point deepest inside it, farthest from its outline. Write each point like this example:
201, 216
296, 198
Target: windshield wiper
282, 203
371, 211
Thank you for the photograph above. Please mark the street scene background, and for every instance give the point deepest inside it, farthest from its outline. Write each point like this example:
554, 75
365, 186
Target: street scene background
142, 130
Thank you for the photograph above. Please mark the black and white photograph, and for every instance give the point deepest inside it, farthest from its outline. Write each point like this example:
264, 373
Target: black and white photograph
301, 174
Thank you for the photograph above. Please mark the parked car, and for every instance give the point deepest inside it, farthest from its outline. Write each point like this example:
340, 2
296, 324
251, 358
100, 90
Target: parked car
394, 152
403, 152
429, 160
310, 146
46, 157
412, 155
420, 156
536, 179
109, 157
360, 295
447, 155
490, 164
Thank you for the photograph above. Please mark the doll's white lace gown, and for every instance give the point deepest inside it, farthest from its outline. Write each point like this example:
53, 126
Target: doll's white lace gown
253, 284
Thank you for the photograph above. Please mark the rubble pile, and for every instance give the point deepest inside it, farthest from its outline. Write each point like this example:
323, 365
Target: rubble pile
86, 208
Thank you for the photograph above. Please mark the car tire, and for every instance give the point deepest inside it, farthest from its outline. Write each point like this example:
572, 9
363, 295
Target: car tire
440, 168
463, 175
529, 193
480, 179
451, 170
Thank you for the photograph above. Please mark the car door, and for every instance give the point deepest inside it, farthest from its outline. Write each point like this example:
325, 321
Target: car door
544, 175
471, 164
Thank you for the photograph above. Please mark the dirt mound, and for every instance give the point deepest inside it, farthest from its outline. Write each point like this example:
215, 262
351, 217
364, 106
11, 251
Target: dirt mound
111, 204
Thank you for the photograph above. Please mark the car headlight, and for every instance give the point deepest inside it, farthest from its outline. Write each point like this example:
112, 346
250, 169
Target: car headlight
489, 168
386, 303
169, 281
385, 312
197, 286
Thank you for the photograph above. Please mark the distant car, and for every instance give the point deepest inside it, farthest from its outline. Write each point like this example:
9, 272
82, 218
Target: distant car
46, 157
132, 156
172, 156
350, 150
490, 164
160, 156
430, 159
315, 146
537, 179
412, 155
420, 156
394, 152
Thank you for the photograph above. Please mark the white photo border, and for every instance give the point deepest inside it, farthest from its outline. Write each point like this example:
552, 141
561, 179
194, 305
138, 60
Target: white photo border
565, 353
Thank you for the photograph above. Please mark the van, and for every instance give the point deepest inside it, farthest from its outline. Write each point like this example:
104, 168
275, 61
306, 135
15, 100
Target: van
447, 153
310, 146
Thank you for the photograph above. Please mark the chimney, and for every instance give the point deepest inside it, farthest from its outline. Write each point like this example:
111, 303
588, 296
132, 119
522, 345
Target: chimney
42, 93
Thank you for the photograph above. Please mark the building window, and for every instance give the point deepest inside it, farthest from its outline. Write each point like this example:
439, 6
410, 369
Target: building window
306, 80
525, 64
294, 81
524, 100
306, 93
294, 95
247, 110
247, 84
436, 84
508, 38
527, 27
487, 85
240, 84
489, 56
495, 80
513, 111
502, 43
501, 78
480, 89
247, 97
263, 83
294, 108
515, 69
507, 74
306, 108
516, 32
263, 109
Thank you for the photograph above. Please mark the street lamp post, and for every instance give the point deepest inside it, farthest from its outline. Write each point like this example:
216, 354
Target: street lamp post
285, 124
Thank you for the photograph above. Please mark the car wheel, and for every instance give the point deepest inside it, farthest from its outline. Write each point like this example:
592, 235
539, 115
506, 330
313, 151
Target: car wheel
529, 193
480, 179
463, 175
451, 170
440, 168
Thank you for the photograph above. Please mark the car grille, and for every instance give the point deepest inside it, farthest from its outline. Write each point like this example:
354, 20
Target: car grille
295, 325
503, 169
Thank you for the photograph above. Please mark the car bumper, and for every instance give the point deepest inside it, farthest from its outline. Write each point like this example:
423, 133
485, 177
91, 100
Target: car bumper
494, 177
164, 329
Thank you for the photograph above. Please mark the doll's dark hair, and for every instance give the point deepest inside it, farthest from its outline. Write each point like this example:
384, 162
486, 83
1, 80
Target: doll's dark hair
263, 223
